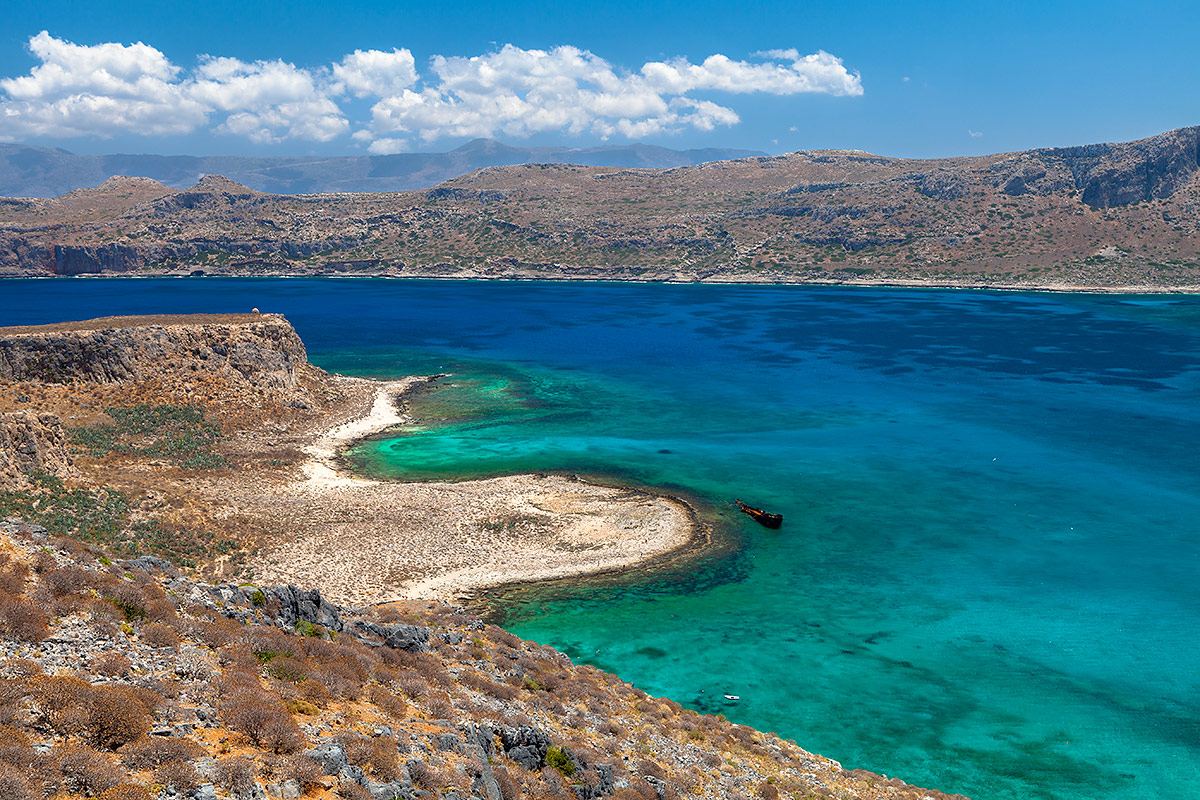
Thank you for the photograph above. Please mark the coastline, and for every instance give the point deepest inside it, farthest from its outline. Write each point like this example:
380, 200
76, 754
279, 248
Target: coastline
369, 541
720, 280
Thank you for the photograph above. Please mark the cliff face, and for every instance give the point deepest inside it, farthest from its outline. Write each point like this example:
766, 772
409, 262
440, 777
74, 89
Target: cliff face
32, 441
264, 353
1108, 175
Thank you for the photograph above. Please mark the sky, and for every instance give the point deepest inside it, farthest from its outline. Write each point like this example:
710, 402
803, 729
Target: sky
304, 78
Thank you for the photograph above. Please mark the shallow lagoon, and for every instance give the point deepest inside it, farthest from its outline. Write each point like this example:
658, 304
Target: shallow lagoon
986, 581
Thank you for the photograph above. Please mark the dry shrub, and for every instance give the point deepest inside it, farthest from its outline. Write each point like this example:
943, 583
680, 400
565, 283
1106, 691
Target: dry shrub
638, 790
288, 670
767, 792
111, 664
158, 635
19, 668
12, 577
503, 637
509, 788
611, 728
305, 771
295, 705
126, 791
388, 702
118, 715
106, 716
237, 774
423, 777
314, 693
352, 791
161, 610
414, 687
264, 719
44, 562
14, 785
261, 639
154, 751
376, 757
84, 771
440, 707
71, 547
209, 632
21, 620
130, 598
341, 679
238, 654
180, 774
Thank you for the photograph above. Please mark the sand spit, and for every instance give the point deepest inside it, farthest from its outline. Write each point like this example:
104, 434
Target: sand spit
365, 541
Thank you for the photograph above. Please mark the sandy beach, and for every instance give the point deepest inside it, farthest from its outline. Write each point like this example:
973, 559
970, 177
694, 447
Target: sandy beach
367, 541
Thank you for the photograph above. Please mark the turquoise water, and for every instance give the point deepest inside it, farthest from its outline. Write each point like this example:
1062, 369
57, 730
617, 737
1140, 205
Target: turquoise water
986, 581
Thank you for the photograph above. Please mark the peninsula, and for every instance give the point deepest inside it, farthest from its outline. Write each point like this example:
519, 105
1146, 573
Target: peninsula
168, 482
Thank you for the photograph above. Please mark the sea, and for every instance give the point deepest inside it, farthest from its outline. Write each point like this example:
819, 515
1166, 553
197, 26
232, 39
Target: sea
986, 581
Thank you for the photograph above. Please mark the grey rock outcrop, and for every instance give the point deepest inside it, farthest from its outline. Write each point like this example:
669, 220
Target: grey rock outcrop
305, 605
330, 755
412, 638
526, 745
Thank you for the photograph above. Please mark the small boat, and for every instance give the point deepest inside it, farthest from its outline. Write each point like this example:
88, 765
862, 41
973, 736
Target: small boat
732, 697
763, 518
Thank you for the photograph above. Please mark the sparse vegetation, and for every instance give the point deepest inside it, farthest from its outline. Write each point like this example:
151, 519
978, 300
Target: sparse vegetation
178, 433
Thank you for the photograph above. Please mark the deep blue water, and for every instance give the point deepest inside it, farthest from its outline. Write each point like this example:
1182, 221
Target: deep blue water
986, 582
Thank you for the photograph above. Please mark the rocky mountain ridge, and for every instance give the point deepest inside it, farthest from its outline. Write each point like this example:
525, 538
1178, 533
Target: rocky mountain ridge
1123, 216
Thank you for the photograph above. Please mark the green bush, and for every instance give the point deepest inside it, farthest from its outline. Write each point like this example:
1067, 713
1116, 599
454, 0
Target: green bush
556, 758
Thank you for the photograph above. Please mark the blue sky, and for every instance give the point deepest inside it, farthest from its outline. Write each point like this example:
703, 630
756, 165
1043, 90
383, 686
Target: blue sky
902, 79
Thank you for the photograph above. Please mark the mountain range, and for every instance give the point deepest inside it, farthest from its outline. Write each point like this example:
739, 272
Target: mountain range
1108, 216
45, 172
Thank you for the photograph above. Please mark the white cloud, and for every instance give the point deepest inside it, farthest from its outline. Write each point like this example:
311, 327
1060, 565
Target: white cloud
96, 91
268, 101
974, 134
518, 93
109, 88
374, 72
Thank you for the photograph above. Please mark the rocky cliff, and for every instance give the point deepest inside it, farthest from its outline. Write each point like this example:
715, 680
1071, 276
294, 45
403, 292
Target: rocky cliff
32, 442
262, 351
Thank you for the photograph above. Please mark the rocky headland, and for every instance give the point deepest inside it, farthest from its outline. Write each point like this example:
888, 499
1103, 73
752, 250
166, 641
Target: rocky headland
1103, 217
154, 643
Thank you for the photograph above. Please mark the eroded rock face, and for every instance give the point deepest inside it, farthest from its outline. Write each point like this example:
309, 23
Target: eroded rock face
265, 354
32, 441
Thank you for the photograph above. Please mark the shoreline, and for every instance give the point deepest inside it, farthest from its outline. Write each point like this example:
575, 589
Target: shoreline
373, 541
732, 280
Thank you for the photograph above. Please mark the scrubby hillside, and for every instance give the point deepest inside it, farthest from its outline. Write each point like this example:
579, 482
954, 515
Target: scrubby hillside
1106, 215
123, 680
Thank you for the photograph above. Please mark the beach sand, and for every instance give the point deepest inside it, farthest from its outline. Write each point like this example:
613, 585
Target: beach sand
367, 541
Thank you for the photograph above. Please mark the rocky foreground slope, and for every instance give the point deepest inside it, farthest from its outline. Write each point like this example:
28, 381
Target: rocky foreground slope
124, 680
1105, 215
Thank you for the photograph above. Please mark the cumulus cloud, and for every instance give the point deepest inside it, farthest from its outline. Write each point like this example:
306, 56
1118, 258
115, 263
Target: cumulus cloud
96, 91
519, 92
374, 72
267, 101
110, 88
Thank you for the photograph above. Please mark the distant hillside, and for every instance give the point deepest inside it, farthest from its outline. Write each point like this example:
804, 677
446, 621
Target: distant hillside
1099, 216
46, 172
